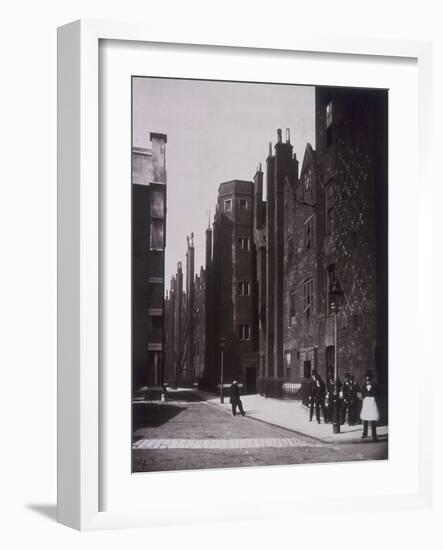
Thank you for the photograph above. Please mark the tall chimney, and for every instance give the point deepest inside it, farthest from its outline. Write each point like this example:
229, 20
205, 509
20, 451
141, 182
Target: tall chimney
208, 258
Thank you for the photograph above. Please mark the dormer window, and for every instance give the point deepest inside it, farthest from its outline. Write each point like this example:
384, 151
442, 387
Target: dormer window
307, 185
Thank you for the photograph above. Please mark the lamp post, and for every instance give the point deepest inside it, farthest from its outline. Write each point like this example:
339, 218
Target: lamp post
222, 345
335, 301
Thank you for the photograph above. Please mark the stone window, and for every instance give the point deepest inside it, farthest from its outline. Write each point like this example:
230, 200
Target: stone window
290, 247
244, 332
292, 303
308, 232
157, 204
308, 298
243, 204
330, 208
330, 279
328, 123
243, 243
228, 205
156, 322
288, 359
307, 185
157, 235
244, 288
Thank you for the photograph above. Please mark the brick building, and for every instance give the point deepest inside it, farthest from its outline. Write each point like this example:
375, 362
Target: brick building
326, 224
188, 375
271, 264
175, 329
200, 325
230, 271
148, 255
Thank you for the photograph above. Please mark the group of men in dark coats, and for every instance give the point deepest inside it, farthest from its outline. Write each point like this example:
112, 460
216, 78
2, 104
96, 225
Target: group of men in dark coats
336, 401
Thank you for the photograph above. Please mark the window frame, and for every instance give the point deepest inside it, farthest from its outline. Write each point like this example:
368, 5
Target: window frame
155, 214
241, 240
329, 282
290, 247
244, 208
159, 222
292, 307
308, 225
330, 207
307, 185
244, 288
308, 298
244, 329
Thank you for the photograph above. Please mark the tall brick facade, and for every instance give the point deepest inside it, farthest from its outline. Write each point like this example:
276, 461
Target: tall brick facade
230, 282
175, 329
271, 264
334, 220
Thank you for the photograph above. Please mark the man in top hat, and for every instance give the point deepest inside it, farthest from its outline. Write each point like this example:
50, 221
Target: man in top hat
318, 398
369, 410
349, 399
311, 398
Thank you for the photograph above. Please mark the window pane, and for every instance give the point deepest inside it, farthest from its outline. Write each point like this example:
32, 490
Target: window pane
157, 234
157, 204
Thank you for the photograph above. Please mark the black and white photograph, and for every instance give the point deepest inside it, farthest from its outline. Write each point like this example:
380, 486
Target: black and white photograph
259, 274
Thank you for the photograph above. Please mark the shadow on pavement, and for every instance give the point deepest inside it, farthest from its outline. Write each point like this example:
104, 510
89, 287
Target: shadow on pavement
152, 415
184, 394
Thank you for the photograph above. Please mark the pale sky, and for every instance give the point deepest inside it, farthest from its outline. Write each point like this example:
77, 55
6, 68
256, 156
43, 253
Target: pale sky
217, 131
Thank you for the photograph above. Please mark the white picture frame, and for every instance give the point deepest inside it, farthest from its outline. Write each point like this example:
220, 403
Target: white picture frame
80, 412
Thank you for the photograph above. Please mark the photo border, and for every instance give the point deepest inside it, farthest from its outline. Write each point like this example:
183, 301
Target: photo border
79, 256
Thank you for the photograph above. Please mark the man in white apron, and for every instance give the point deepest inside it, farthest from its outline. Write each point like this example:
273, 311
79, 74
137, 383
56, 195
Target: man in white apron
369, 410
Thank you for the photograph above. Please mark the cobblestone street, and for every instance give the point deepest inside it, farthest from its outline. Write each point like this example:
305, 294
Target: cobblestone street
190, 433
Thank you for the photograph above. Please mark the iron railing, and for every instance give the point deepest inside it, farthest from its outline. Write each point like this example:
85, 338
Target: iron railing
283, 388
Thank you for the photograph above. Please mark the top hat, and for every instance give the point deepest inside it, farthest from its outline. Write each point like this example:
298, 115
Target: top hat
369, 374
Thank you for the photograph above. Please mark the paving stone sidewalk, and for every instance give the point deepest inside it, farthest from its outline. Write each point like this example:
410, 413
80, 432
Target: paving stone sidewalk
251, 443
292, 415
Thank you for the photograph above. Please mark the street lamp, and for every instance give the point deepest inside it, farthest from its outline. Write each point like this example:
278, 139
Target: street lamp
335, 301
222, 345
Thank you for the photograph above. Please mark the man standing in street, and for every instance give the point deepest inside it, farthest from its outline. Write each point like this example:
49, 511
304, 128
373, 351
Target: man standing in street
349, 399
235, 399
369, 412
319, 397
312, 387
328, 397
